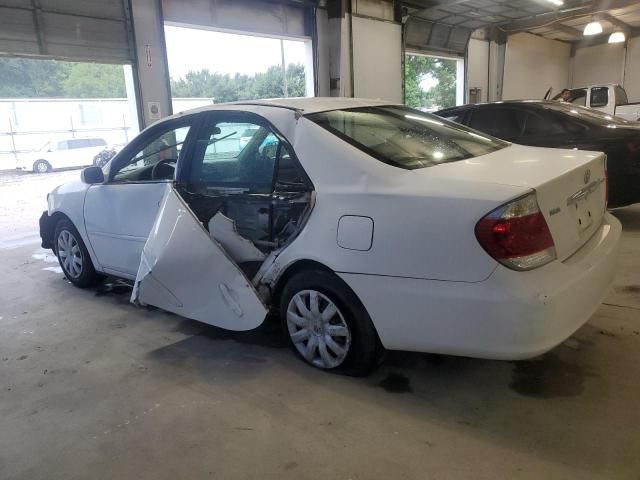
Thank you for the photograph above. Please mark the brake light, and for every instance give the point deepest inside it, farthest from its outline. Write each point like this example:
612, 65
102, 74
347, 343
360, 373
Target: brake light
516, 234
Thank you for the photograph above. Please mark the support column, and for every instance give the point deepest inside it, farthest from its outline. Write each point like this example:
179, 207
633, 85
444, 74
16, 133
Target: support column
496, 70
152, 73
340, 48
460, 82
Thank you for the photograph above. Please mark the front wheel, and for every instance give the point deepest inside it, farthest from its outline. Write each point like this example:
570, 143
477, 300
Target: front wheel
41, 166
73, 256
327, 325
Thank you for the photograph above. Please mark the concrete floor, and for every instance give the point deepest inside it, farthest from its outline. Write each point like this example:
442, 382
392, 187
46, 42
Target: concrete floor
23, 197
94, 387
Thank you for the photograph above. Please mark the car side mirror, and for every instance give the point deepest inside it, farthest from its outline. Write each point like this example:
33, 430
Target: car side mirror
92, 175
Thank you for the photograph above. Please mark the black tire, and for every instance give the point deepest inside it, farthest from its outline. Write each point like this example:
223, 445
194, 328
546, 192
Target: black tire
41, 166
87, 275
364, 350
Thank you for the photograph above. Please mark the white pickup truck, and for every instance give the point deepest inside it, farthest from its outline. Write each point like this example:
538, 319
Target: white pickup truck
610, 99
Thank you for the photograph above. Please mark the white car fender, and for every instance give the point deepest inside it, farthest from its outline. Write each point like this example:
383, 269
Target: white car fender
68, 199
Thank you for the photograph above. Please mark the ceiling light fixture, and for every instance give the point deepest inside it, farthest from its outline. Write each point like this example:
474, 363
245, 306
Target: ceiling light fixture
617, 37
557, 3
593, 28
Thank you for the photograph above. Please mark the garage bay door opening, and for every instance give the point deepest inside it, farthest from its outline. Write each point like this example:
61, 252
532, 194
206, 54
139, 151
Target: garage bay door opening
55, 118
432, 83
222, 66
49, 106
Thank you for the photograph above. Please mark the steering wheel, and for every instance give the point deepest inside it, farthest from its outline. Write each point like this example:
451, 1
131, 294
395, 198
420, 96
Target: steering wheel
164, 170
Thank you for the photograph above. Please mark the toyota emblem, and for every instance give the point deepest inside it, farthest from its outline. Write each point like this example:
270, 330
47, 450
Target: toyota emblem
587, 176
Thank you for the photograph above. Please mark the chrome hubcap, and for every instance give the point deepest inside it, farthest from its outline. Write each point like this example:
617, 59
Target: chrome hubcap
318, 329
69, 254
42, 167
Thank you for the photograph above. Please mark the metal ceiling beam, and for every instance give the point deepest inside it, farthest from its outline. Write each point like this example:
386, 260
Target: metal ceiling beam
625, 27
547, 19
574, 32
435, 5
602, 39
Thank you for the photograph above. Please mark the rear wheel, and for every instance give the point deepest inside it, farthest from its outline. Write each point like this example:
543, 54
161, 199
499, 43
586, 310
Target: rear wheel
41, 166
73, 256
327, 325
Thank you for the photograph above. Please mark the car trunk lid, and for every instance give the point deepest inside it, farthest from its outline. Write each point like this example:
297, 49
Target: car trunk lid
570, 186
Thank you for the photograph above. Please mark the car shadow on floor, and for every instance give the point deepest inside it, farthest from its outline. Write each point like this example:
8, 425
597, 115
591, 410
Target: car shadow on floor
629, 217
512, 404
547, 376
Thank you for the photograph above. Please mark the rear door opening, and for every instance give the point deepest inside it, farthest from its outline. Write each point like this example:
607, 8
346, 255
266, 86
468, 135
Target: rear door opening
235, 206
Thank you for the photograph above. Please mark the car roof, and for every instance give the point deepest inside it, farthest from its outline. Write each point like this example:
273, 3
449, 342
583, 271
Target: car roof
596, 86
503, 102
305, 105
557, 106
512, 103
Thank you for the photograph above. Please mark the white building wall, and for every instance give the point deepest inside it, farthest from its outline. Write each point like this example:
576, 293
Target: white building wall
606, 64
26, 124
532, 65
377, 75
632, 70
598, 64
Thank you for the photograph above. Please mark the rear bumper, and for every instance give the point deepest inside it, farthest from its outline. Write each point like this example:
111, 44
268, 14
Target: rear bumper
511, 315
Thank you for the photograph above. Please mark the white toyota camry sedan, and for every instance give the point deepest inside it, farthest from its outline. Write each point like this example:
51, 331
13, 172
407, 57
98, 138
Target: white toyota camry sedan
364, 225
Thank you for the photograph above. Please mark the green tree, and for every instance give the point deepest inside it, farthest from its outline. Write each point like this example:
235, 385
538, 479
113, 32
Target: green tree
419, 67
23, 77
296, 80
94, 80
36, 78
227, 88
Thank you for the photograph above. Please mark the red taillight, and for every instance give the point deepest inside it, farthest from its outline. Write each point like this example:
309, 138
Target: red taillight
517, 234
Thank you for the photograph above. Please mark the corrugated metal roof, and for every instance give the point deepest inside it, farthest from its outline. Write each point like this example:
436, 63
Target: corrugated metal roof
540, 17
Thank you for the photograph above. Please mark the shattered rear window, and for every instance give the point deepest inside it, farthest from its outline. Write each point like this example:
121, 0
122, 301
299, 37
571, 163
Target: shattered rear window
404, 137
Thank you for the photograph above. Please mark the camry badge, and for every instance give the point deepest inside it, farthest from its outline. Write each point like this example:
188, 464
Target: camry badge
587, 176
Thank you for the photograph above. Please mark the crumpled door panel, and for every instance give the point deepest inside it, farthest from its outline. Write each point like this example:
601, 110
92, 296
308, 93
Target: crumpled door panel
184, 271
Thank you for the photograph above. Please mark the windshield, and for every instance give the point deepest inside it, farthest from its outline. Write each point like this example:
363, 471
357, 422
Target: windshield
595, 116
404, 137
249, 132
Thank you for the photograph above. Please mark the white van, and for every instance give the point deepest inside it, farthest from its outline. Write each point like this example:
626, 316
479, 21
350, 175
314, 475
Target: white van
73, 152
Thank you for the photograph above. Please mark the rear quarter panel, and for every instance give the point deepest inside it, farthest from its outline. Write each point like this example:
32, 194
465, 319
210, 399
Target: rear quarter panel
413, 236
423, 222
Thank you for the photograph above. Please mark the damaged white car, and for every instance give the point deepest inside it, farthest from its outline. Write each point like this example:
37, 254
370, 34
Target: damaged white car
364, 225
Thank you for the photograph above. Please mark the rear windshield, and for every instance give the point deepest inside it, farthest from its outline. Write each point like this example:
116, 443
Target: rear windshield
404, 137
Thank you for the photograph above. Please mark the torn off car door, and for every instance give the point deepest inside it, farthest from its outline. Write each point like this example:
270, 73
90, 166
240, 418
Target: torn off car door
185, 271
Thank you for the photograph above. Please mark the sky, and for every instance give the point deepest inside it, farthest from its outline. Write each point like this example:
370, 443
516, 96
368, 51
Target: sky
428, 81
196, 49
